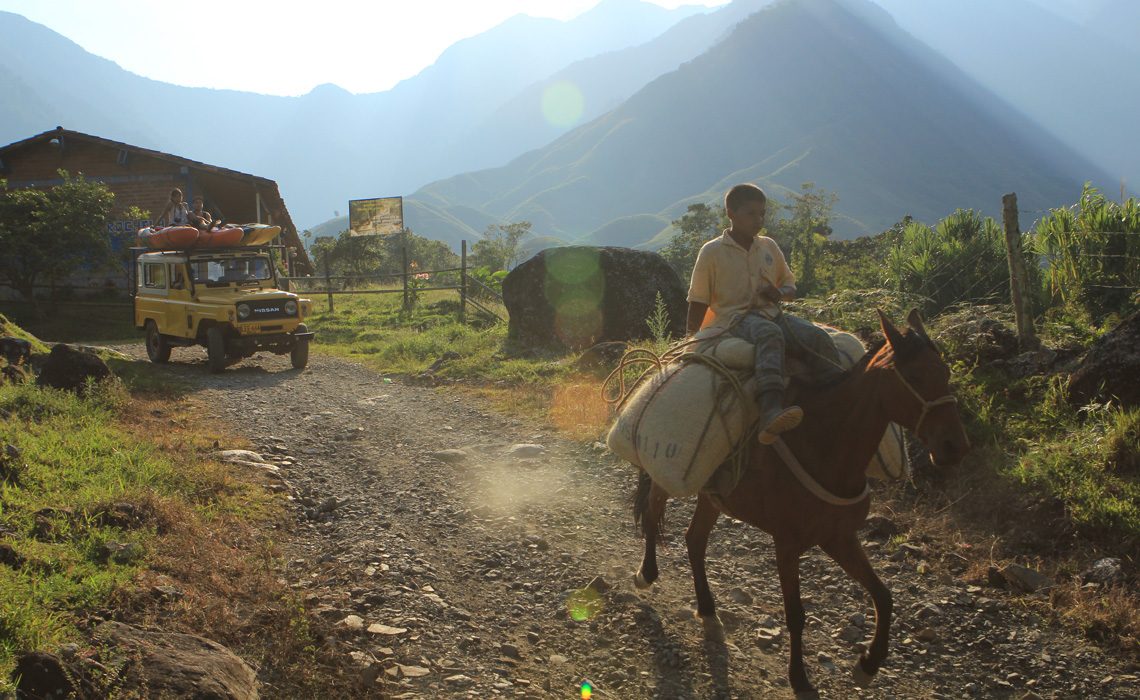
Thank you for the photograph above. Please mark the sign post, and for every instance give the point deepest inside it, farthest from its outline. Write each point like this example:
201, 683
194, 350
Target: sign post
383, 216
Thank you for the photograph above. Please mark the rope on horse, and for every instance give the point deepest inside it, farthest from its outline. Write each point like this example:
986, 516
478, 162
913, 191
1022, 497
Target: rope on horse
677, 353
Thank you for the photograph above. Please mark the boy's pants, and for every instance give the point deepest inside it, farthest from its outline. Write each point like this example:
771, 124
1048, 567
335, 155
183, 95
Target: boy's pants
769, 338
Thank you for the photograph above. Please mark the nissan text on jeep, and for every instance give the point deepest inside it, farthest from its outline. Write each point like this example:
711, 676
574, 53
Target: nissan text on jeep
226, 300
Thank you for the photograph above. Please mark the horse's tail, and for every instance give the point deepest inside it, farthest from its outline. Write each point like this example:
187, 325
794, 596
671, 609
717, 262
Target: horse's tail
641, 503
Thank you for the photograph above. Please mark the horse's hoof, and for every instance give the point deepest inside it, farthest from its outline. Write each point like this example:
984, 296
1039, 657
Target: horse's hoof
861, 677
640, 582
812, 694
714, 628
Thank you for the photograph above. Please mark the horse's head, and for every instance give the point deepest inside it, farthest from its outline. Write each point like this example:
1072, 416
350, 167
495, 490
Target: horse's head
917, 391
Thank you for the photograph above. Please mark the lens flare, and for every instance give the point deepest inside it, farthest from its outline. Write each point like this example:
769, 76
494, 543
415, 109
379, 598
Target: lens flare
562, 104
587, 690
584, 604
575, 288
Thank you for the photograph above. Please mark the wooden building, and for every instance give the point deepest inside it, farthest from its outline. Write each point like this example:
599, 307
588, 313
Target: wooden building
143, 178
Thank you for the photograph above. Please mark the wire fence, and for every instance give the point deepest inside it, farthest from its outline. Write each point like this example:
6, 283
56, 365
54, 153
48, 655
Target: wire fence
1096, 265
412, 281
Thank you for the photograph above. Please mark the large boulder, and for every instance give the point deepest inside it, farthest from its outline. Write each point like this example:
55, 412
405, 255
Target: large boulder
166, 664
70, 368
1111, 367
577, 296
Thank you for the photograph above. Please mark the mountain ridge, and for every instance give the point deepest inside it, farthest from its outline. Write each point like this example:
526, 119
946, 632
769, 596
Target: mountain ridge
826, 140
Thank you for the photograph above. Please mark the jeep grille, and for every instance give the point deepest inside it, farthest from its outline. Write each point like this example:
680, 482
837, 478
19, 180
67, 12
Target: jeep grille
264, 310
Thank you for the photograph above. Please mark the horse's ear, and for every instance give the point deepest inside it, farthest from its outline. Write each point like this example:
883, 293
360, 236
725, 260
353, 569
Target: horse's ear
914, 319
894, 338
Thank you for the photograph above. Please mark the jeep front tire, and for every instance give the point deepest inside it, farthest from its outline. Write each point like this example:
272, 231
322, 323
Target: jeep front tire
299, 353
216, 349
157, 349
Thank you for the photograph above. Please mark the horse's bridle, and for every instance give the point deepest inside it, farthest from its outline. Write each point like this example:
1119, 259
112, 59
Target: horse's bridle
926, 405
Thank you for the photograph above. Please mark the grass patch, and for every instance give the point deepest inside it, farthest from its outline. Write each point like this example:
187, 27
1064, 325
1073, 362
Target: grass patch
106, 496
69, 461
10, 329
376, 331
1091, 471
1086, 460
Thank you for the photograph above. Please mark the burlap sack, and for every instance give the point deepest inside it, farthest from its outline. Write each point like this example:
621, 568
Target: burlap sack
681, 424
733, 352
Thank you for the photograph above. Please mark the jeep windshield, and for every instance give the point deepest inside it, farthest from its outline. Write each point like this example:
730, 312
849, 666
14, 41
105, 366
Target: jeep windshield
222, 272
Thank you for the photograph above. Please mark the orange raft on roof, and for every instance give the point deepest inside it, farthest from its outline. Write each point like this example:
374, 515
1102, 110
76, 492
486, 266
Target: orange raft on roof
168, 237
179, 237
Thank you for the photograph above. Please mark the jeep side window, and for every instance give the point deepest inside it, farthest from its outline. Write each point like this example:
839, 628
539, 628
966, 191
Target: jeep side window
154, 275
176, 279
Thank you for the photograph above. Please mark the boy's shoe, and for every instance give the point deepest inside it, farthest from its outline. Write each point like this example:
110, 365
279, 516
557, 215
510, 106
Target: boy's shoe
774, 418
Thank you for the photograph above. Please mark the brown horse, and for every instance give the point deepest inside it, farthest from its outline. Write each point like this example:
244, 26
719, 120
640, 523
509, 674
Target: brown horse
903, 379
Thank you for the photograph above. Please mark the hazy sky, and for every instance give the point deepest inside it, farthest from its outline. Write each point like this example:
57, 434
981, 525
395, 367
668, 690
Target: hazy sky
283, 48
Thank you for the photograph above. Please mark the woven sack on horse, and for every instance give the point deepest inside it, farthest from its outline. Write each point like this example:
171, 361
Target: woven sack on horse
683, 419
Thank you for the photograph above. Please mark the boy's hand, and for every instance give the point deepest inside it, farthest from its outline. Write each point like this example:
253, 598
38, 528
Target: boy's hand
772, 294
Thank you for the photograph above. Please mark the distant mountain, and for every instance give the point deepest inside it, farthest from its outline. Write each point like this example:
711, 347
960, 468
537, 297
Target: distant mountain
829, 91
629, 231
1074, 67
586, 89
325, 147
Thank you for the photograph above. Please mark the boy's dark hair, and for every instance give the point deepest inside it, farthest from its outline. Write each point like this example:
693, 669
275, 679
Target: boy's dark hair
740, 195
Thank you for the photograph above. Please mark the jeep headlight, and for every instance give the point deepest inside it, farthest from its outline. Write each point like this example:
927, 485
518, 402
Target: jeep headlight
243, 311
291, 308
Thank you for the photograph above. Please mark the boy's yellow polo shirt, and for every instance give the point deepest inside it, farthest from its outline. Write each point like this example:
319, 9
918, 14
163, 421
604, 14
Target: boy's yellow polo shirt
729, 278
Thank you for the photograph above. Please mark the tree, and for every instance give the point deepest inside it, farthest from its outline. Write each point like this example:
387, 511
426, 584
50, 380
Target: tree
962, 259
499, 247
804, 232
368, 256
49, 234
697, 226
423, 253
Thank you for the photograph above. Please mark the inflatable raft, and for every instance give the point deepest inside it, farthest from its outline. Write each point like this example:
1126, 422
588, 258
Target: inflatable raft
220, 237
168, 237
259, 234
180, 237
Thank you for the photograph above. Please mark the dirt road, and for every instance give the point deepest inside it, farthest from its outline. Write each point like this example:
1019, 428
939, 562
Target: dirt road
461, 541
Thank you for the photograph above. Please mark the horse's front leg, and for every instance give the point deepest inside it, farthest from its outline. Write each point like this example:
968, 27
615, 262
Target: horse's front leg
648, 511
697, 541
788, 565
848, 553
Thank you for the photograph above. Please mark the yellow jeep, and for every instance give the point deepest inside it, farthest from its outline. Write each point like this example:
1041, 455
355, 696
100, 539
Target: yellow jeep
226, 300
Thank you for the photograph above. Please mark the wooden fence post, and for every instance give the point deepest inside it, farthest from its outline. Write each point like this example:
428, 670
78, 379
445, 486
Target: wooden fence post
404, 248
328, 284
1026, 337
463, 281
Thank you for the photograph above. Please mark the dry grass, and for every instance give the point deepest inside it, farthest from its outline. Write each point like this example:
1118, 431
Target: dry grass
577, 408
225, 565
1111, 617
965, 513
527, 401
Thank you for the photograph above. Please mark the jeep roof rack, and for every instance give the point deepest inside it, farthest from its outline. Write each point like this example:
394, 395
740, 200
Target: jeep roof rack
252, 249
